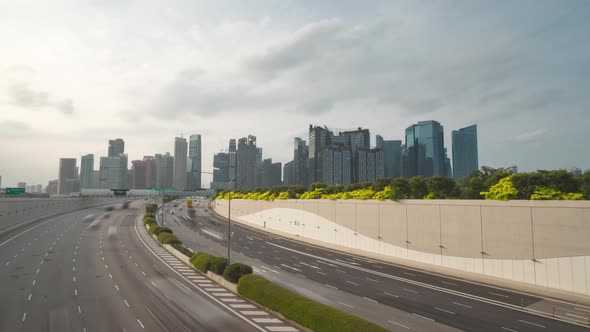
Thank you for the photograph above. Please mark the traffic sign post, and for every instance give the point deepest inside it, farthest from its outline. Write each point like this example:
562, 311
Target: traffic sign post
15, 191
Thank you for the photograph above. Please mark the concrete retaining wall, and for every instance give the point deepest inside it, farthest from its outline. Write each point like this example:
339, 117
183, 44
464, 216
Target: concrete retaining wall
543, 243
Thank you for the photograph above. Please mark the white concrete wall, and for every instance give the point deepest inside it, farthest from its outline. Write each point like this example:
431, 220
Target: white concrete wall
539, 243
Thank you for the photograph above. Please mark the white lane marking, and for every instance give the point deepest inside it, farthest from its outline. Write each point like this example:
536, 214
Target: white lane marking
386, 293
531, 323
140, 324
73, 268
24, 316
222, 294
347, 305
508, 329
582, 317
225, 299
430, 319
242, 306
38, 271
126, 303
154, 284
410, 290
79, 310
143, 273
30, 295
75, 292
281, 329
267, 320
74, 279
320, 272
410, 274
449, 283
340, 271
34, 282
253, 313
331, 286
110, 276
373, 280
398, 324
444, 310
582, 309
463, 305
106, 266
369, 299
9, 263
117, 287
313, 267
23, 232
354, 283
496, 294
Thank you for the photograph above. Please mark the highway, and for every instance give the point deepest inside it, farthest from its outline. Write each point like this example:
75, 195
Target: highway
434, 298
87, 271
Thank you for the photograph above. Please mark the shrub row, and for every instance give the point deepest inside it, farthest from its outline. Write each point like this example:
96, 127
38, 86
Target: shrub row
151, 208
234, 272
184, 250
311, 314
168, 238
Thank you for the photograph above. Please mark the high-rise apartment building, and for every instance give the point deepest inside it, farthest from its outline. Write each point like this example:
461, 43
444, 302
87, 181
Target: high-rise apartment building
246, 163
66, 176
392, 156
194, 162
116, 147
180, 150
139, 177
423, 153
270, 173
86, 170
465, 154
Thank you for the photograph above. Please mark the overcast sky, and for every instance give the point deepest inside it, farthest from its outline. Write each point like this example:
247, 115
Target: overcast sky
74, 74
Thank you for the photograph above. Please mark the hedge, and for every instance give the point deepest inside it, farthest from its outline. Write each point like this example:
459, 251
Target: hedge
163, 230
168, 238
234, 272
311, 314
151, 208
201, 261
153, 228
184, 250
148, 221
217, 265
148, 215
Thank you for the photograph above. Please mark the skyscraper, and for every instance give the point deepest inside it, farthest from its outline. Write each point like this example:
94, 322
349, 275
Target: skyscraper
300, 163
221, 171
246, 163
113, 172
233, 164
165, 170
194, 157
392, 156
138, 169
357, 139
289, 174
465, 154
86, 169
318, 139
180, 149
67, 174
423, 153
116, 147
151, 172
270, 173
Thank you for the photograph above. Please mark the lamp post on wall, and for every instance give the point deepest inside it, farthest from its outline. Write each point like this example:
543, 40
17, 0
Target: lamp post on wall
229, 220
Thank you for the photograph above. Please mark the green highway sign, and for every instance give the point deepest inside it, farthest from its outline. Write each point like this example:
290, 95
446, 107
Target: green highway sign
15, 191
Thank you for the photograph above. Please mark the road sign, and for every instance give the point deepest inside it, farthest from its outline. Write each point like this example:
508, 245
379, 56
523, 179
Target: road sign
15, 191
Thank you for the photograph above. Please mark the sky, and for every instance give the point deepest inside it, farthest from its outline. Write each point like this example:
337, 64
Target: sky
74, 74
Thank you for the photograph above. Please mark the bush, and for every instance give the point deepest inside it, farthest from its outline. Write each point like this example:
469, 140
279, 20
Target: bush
168, 238
153, 228
184, 250
313, 315
148, 221
162, 230
151, 208
234, 272
201, 261
217, 265
148, 215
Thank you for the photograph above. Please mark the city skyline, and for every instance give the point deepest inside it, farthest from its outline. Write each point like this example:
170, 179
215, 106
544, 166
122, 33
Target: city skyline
270, 69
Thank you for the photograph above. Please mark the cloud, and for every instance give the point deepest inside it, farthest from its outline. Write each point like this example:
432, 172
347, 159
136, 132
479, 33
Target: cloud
528, 137
14, 129
22, 95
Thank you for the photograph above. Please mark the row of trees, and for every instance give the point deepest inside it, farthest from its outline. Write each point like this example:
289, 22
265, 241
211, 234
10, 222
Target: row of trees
486, 183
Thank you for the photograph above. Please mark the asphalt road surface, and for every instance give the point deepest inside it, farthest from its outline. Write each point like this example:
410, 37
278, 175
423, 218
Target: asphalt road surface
449, 301
78, 272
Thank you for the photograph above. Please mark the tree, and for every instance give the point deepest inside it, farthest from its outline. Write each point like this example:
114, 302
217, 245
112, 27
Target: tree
400, 188
470, 187
585, 184
380, 184
317, 185
418, 188
441, 187
503, 190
